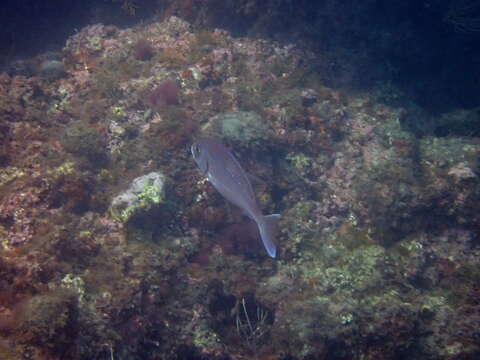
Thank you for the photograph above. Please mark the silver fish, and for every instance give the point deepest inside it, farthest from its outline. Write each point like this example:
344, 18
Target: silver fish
221, 168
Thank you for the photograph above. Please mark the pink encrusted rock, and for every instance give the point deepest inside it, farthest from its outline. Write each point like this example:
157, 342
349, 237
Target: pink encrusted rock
461, 172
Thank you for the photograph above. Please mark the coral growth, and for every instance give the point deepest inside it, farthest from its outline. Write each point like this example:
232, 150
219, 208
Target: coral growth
167, 93
143, 50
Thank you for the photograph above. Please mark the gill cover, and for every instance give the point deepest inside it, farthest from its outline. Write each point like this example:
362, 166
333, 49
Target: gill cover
200, 157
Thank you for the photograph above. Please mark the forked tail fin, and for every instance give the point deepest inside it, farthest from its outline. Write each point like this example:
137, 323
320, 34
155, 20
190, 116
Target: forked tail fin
268, 230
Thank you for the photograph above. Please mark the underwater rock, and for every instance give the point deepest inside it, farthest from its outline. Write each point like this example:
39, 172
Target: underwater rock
20, 67
309, 97
143, 193
460, 122
244, 128
52, 69
85, 141
50, 319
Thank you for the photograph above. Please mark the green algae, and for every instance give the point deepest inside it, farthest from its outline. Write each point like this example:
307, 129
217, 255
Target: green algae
353, 272
441, 152
353, 237
9, 174
144, 193
245, 128
67, 168
148, 197
74, 283
118, 111
300, 161
204, 338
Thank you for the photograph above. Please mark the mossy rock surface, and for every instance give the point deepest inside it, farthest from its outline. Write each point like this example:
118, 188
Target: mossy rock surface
143, 193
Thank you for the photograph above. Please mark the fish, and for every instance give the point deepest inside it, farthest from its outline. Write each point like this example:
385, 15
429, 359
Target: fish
226, 174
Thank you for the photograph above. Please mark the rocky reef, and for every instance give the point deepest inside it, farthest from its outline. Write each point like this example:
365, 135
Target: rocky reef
113, 245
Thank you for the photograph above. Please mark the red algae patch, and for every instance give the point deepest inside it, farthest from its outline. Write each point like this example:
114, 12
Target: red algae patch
143, 50
167, 93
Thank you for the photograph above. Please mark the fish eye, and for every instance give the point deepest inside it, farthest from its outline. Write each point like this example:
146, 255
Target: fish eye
195, 150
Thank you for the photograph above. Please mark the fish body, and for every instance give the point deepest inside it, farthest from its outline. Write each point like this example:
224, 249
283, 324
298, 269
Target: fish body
226, 174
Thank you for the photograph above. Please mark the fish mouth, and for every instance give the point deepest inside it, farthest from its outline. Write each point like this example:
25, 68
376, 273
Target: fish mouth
192, 150
203, 165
